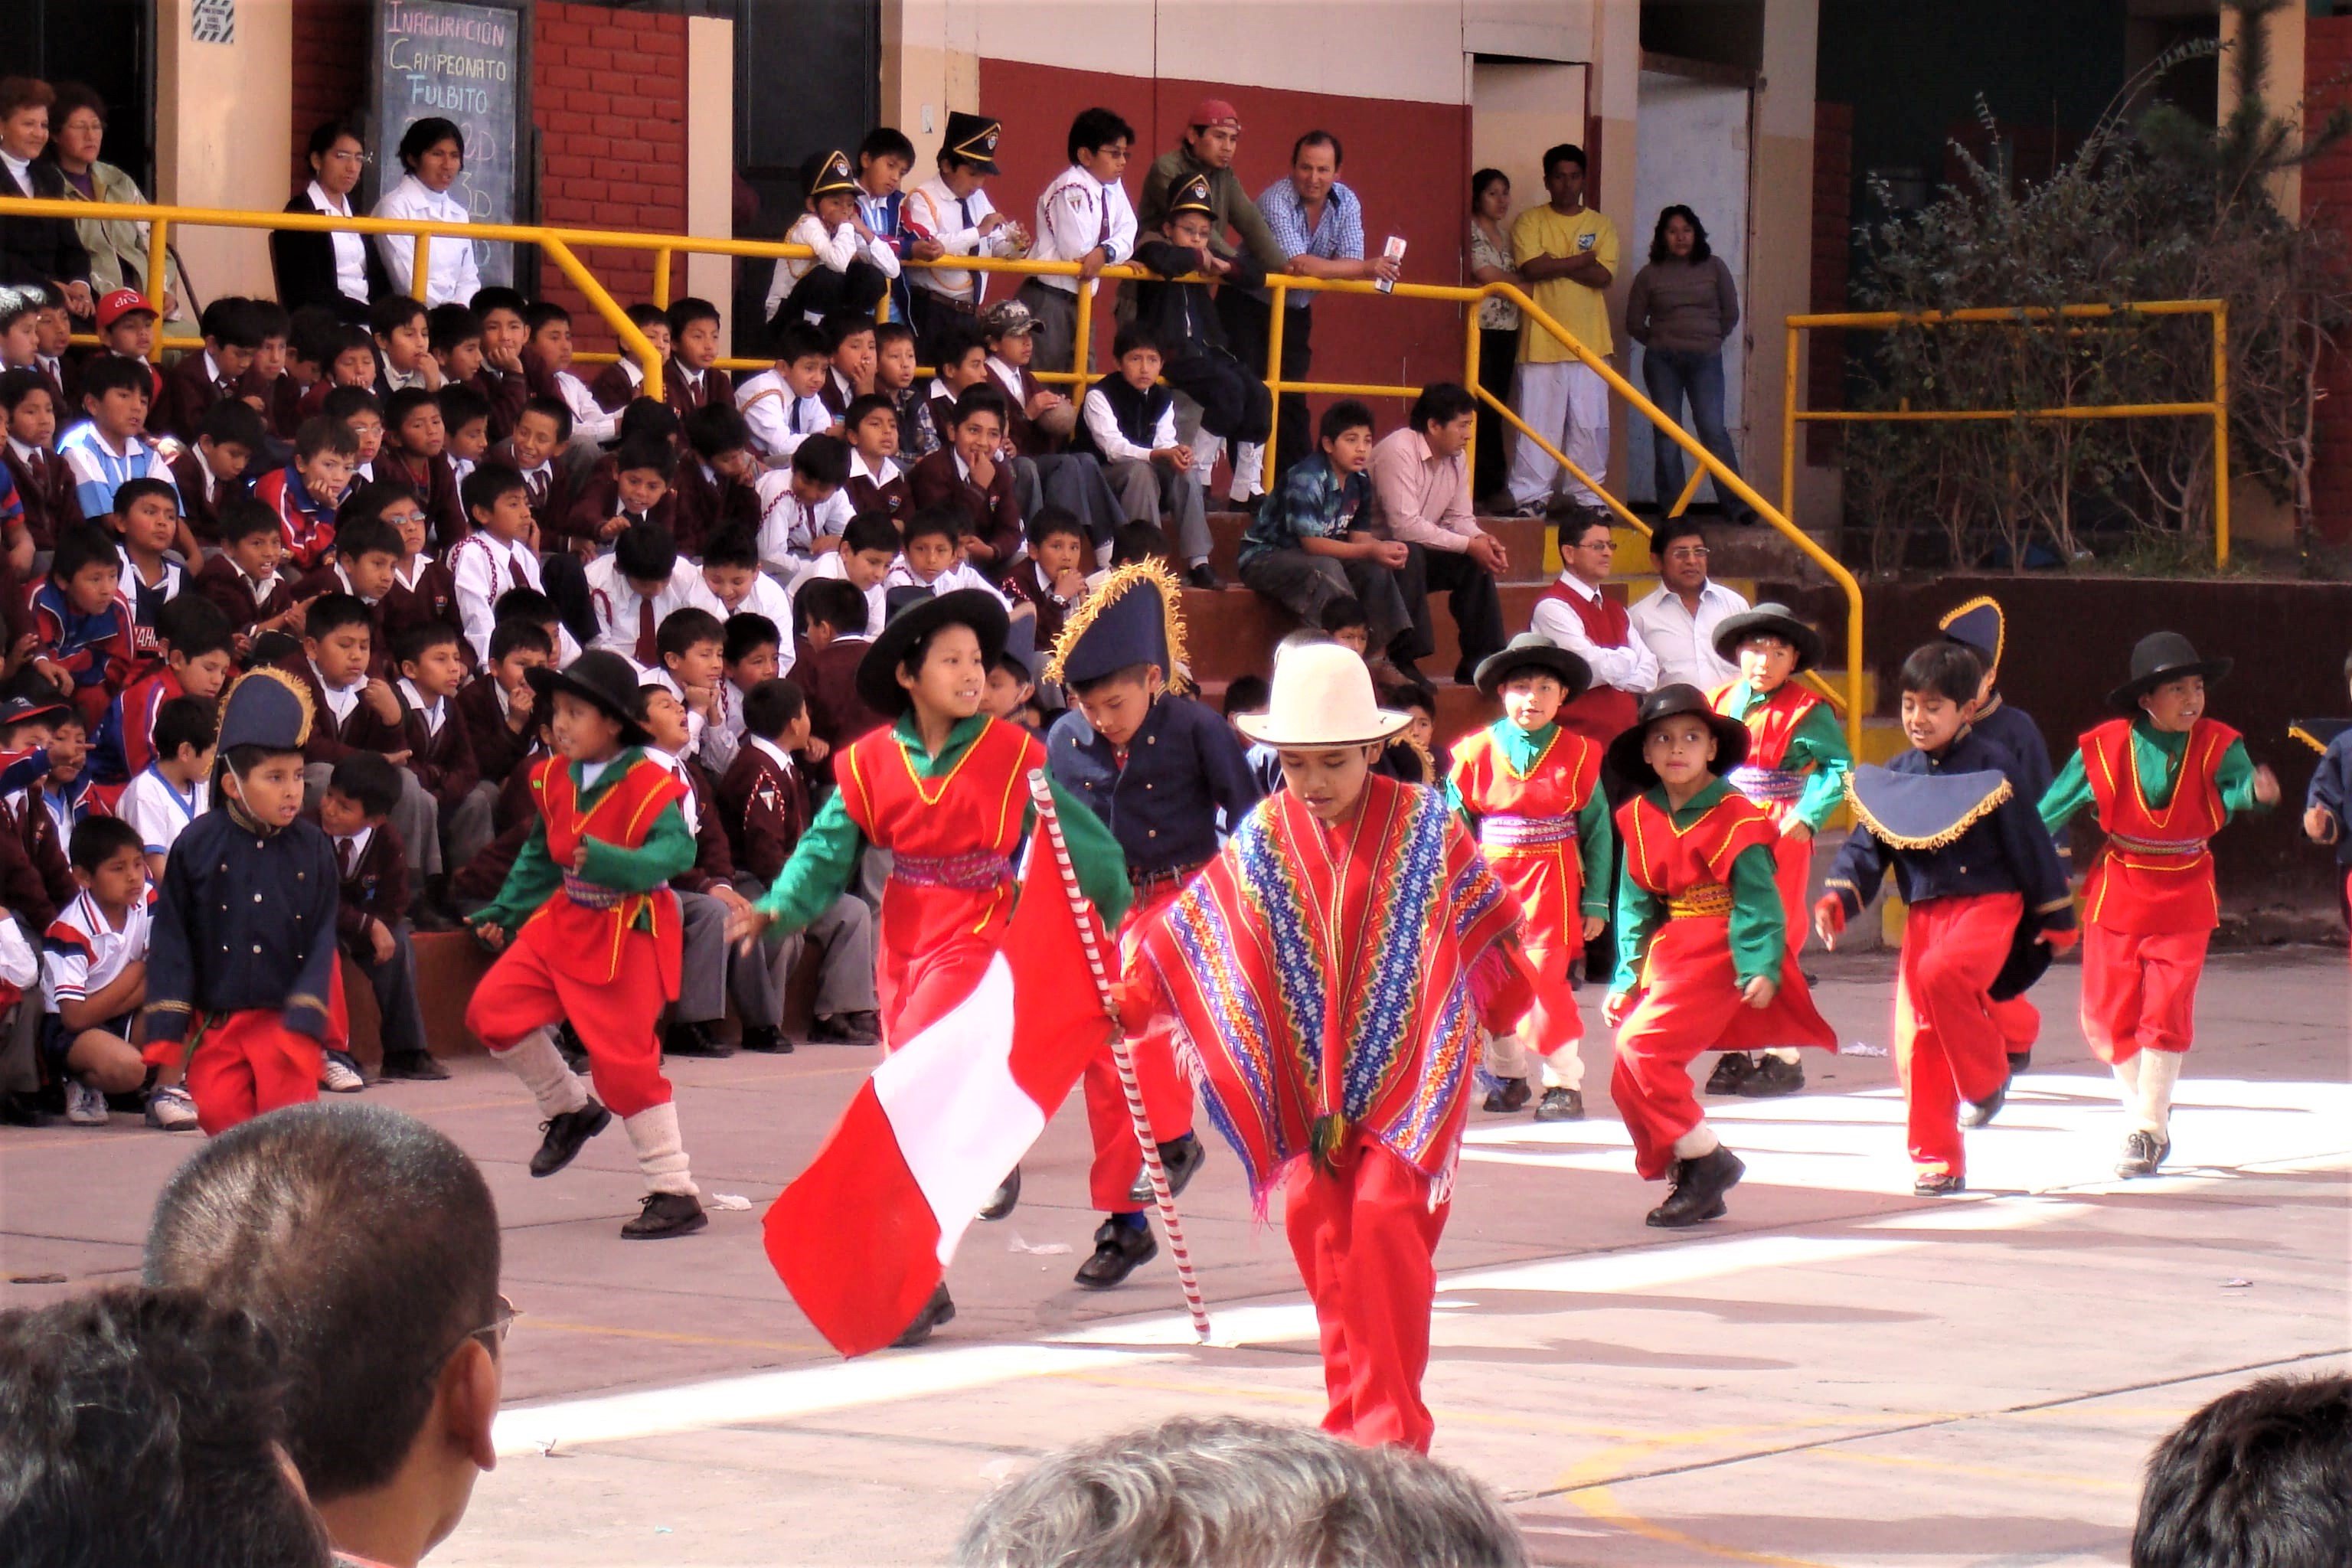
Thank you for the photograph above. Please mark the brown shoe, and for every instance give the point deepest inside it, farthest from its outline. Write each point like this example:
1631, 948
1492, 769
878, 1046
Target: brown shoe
666, 1213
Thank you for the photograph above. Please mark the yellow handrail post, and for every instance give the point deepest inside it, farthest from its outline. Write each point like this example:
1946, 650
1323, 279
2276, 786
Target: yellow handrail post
661, 276
635, 341
1472, 344
2220, 435
1789, 423
1082, 345
1690, 489
158, 256
1281, 288
420, 265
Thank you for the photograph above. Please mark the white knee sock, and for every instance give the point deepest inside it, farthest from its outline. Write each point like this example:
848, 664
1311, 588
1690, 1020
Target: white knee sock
1698, 1141
661, 1152
1787, 1054
2126, 1073
1563, 1069
1506, 1056
2159, 1070
536, 1061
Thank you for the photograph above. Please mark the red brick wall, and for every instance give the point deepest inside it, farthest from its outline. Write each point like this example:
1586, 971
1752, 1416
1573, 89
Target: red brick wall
1832, 226
2328, 199
608, 92
330, 70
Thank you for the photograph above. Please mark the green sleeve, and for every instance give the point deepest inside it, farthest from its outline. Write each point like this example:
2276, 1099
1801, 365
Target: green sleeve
668, 850
1454, 804
531, 882
1818, 739
1101, 864
2235, 776
2068, 794
1760, 927
1638, 913
822, 863
1596, 846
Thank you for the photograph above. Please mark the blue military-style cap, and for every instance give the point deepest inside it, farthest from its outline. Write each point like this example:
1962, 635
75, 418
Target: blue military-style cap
1133, 618
1978, 626
266, 708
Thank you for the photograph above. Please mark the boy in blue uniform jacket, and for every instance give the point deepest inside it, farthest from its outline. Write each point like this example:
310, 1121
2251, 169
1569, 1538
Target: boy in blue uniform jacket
1157, 768
241, 963
2328, 804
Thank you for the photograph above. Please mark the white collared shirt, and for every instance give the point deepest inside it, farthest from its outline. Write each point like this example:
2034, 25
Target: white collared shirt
788, 529
451, 270
351, 249
359, 842
1076, 213
777, 418
432, 712
340, 699
1684, 639
777, 754
1633, 668
159, 808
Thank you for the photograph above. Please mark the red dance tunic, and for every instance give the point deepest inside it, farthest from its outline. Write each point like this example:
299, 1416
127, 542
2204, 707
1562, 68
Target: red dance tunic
1527, 829
2154, 876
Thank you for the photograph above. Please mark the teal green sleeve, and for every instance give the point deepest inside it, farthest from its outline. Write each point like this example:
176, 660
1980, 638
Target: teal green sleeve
2068, 794
1819, 741
822, 863
2235, 778
1638, 913
1454, 804
1100, 863
1760, 926
668, 851
1596, 847
531, 882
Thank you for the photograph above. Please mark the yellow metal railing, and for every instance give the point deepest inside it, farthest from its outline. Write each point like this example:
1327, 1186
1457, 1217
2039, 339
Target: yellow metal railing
2216, 408
561, 246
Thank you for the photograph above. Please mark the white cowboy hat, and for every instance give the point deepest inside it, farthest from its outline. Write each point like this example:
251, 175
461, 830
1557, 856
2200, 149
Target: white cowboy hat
1322, 697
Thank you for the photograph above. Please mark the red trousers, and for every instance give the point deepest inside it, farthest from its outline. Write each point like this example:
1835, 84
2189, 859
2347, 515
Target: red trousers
1553, 1024
1366, 1244
1949, 1046
2139, 992
1167, 1096
532, 988
249, 1063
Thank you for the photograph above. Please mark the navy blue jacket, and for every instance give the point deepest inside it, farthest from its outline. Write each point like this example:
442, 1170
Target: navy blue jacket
2014, 732
1182, 766
2007, 851
247, 919
2331, 786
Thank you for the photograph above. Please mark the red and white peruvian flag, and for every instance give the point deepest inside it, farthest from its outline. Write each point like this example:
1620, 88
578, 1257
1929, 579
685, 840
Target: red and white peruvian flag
864, 1235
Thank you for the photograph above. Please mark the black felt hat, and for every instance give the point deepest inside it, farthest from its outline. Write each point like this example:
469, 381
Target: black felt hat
1669, 702
1533, 651
972, 138
2160, 657
602, 679
878, 672
1770, 619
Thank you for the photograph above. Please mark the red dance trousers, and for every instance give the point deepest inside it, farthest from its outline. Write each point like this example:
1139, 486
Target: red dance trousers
1366, 1243
1167, 1093
531, 987
2139, 992
249, 1063
1949, 1046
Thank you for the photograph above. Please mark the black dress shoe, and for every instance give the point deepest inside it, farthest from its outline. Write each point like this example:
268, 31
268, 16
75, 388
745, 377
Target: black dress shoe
20, 1110
1002, 1201
2143, 1153
1772, 1078
564, 1135
417, 1065
1699, 1186
1942, 1185
1512, 1095
1120, 1250
1730, 1072
2019, 1062
1204, 575
1182, 1158
666, 1213
1560, 1105
939, 1308
682, 1039
1978, 1112
428, 916
843, 1029
766, 1038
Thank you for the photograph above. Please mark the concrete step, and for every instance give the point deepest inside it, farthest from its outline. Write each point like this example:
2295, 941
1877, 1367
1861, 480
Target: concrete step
1522, 537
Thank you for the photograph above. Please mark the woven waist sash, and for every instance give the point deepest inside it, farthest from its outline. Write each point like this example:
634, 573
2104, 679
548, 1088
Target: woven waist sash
1776, 785
2183, 847
972, 873
591, 895
1525, 832
1706, 900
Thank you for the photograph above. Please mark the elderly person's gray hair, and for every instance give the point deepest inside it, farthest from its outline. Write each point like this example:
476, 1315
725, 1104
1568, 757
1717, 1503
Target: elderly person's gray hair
1223, 1492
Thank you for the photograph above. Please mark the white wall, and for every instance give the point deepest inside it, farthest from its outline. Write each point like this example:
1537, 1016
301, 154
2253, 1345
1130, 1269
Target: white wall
709, 160
215, 104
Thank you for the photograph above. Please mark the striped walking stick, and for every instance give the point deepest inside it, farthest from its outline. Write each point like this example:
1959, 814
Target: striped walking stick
1050, 824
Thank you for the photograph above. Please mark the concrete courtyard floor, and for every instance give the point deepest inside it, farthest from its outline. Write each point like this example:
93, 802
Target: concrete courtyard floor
1837, 1375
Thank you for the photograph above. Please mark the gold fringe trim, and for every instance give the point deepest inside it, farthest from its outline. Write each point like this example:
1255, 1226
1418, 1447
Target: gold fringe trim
1152, 571
2298, 732
2000, 797
1982, 601
301, 696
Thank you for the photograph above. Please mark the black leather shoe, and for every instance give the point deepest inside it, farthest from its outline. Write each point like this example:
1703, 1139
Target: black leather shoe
1730, 1072
1699, 1186
1182, 1158
767, 1039
682, 1039
2019, 1062
1120, 1250
939, 1308
843, 1029
417, 1065
1002, 1201
1980, 1112
1942, 1185
666, 1213
1771, 1078
22, 1110
428, 916
1204, 575
565, 1135
1513, 1095
1560, 1105
2143, 1153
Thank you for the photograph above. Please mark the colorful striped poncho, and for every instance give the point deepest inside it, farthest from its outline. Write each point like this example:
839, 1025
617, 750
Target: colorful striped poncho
1327, 977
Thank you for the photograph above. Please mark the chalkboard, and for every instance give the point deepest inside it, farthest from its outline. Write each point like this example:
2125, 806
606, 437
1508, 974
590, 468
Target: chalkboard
470, 64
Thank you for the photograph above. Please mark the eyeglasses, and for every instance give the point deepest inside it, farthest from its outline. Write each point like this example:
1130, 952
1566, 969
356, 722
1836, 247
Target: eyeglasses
493, 1334
1689, 552
1603, 544
398, 518
361, 158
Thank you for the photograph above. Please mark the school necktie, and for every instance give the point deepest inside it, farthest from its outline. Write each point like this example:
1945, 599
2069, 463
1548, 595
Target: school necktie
648, 651
536, 484
227, 384
347, 851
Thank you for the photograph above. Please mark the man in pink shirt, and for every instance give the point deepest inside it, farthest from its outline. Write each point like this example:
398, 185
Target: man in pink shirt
1420, 493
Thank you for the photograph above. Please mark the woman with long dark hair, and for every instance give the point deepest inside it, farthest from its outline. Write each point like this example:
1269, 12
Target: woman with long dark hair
1681, 308
1498, 321
433, 151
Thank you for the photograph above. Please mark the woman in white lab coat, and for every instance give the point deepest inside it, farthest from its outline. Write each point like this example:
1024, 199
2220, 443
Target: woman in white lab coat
433, 151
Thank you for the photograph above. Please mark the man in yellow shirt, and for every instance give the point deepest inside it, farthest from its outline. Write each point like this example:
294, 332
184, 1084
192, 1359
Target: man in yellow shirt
1567, 254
